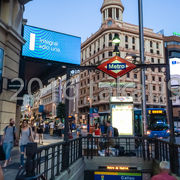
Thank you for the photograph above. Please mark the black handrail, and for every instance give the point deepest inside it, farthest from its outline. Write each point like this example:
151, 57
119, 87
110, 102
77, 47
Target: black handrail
52, 159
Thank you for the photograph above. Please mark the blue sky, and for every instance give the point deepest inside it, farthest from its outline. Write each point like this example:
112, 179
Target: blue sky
82, 17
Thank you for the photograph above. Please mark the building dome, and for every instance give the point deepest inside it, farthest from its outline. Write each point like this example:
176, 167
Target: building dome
112, 2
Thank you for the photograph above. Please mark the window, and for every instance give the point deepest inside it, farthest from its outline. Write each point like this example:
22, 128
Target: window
117, 13
110, 12
110, 44
159, 61
103, 55
110, 53
126, 38
147, 98
133, 40
128, 94
98, 77
151, 51
160, 88
103, 45
151, 43
126, 46
152, 60
157, 45
135, 76
158, 52
103, 75
153, 78
154, 98
152, 69
128, 75
160, 79
159, 69
133, 47
154, 88
110, 36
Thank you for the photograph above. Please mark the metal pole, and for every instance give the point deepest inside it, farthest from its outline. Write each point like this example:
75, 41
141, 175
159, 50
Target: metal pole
169, 100
143, 80
66, 129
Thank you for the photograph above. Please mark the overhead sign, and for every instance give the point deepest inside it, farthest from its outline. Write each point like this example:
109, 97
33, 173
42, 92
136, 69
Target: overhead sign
117, 176
114, 84
121, 99
116, 66
50, 45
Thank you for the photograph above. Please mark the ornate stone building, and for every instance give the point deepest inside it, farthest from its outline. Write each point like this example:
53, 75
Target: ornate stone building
98, 48
11, 14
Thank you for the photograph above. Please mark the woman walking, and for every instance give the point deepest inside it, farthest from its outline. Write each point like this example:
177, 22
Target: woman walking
26, 136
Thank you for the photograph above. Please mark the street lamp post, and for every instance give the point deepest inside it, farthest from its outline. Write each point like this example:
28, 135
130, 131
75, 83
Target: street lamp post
143, 80
116, 41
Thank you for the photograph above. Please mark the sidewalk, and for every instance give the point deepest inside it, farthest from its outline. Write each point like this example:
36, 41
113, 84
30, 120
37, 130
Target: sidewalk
12, 169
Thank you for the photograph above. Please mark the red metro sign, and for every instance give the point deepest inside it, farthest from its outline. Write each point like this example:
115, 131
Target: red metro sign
116, 66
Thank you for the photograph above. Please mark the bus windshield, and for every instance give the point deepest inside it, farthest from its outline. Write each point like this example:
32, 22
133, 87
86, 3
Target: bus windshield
157, 122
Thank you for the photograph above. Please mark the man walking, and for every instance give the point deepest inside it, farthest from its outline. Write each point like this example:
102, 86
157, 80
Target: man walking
51, 128
8, 139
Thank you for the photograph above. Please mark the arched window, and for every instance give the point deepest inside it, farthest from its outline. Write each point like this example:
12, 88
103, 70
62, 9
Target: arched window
110, 12
110, 36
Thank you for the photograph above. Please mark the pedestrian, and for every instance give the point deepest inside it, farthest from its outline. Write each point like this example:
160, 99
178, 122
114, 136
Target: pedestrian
60, 128
164, 172
1, 174
8, 140
51, 128
97, 131
110, 129
40, 132
26, 136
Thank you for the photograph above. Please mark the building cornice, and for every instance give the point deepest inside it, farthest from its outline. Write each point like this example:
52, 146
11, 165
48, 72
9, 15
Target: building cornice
11, 31
121, 29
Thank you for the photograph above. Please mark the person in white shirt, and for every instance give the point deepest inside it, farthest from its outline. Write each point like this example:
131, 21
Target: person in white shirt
51, 128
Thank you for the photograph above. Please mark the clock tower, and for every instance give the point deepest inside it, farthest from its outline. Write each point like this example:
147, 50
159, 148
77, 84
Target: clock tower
112, 12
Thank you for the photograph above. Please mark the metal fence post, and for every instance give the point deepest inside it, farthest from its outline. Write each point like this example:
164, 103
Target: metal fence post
65, 155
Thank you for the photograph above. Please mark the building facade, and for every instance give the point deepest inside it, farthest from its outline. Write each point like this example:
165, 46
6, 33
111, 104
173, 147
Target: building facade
54, 93
98, 48
11, 14
172, 44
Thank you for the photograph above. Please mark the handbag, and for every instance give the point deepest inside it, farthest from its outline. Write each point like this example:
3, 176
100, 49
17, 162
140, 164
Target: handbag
2, 154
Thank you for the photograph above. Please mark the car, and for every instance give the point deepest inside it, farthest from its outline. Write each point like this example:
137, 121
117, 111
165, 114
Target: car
176, 131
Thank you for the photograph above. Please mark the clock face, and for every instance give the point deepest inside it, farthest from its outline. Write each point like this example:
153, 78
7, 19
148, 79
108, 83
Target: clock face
109, 23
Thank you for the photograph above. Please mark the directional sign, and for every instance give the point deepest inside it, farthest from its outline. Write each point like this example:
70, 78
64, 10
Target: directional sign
116, 66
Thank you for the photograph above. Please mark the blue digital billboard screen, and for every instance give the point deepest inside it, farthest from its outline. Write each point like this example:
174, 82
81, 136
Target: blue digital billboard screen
50, 45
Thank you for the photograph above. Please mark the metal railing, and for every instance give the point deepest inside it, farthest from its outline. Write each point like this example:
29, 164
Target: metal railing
53, 159
146, 148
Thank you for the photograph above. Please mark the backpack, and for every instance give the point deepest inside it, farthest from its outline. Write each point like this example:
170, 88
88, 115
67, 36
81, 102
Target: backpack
116, 133
13, 131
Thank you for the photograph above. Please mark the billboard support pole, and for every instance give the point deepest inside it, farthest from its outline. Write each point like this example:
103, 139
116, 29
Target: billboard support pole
66, 129
169, 100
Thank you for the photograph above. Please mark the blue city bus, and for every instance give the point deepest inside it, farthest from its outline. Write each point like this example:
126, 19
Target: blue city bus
157, 125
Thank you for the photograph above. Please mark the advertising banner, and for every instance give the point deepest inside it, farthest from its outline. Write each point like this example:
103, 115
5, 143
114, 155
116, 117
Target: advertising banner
117, 176
122, 115
50, 45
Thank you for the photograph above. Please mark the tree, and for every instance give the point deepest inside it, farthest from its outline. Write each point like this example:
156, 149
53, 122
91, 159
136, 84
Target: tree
61, 111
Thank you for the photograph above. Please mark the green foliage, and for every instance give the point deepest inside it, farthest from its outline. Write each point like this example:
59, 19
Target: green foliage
61, 111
